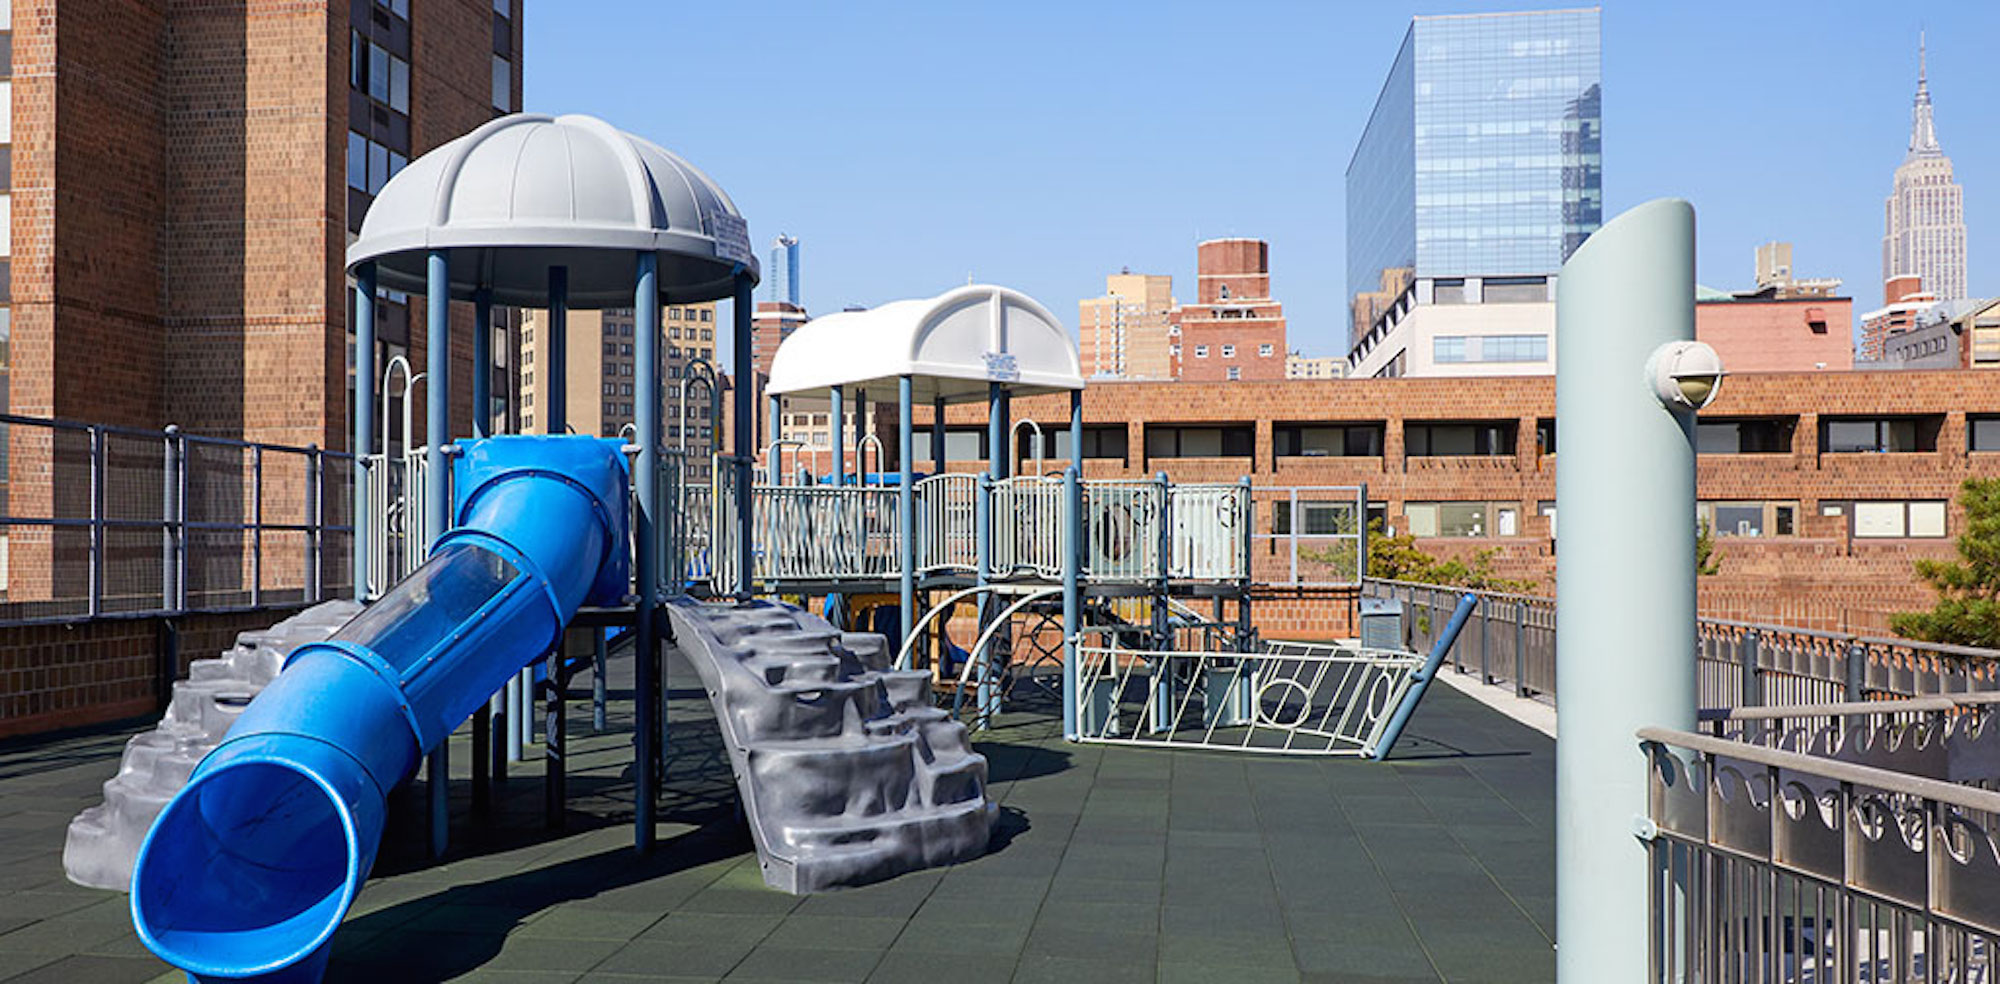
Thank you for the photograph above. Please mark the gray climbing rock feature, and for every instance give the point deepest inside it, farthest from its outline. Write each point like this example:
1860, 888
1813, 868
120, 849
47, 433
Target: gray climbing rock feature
848, 772
103, 841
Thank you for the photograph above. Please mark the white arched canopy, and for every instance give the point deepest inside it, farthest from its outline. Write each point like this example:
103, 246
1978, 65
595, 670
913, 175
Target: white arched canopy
953, 346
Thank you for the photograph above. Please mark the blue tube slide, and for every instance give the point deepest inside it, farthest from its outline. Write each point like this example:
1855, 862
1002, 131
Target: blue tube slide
1421, 680
248, 871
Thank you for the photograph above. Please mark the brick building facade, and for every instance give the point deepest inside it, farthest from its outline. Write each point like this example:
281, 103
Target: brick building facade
1233, 331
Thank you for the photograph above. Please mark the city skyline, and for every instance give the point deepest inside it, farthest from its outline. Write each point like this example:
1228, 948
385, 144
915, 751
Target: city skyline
1835, 82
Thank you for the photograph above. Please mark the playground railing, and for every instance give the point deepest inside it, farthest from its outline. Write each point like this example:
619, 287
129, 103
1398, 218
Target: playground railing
1285, 698
826, 533
1312, 538
99, 521
1772, 865
1511, 640
1121, 529
1209, 522
947, 523
1029, 533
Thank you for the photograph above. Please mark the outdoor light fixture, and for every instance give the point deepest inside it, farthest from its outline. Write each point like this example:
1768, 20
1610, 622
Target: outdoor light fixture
1685, 375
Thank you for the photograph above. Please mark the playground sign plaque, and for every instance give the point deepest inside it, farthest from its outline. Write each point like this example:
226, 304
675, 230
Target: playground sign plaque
1002, 367
732, 238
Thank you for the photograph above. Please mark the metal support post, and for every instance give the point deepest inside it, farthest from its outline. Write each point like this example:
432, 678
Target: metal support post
996, 432
256, 525
746, 437
597, 683
1072, 597
937, 436
906, 503
554, 777
557, 412
516, 728
1752, 694
1856, 669
1244, 628
482, 363
647, 732
437, 498
482, 772
96, 572
1076, 430
1624, 571
315, 523
1360, 533
1521, 647
982, 571
837, 433
1163, 633
171, 527
1485, 647
361, 442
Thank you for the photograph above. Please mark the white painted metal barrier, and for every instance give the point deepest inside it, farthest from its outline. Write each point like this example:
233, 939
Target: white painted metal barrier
947, 524
1209, 523
1289, 698
1121, 529
398, 540
1030, 537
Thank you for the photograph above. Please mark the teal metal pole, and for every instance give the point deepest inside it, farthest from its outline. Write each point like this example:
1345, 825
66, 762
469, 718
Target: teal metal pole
774, 432
558, 382
906, 499
1625, 580
1072, 598
996, 432
837, 419
482, 363
743, 412
1076, 429
364, 419
648, 735
437, 495
1420, 681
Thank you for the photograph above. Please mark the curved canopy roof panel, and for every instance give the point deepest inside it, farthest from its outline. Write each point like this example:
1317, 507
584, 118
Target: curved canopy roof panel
953, 345
526, 192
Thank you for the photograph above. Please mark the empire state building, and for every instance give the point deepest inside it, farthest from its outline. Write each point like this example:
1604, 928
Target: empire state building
1924, 219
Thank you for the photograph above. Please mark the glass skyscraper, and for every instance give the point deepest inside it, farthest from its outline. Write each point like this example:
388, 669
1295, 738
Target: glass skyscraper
781, 275
1481, 159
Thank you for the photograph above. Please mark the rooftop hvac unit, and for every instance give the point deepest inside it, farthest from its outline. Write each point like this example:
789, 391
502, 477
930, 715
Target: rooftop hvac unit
1381, 623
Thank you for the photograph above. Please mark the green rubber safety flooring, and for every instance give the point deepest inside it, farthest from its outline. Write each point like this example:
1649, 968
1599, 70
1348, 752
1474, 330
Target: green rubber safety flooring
1109, 864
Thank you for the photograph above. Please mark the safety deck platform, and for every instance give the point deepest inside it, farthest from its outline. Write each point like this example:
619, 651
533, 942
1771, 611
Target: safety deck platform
1109, 864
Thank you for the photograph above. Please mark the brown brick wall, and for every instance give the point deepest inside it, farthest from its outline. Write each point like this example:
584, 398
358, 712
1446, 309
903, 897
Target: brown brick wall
62, 676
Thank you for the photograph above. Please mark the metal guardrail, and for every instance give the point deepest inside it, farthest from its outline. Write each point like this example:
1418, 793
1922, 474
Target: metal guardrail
1121, 529
1287, 698
109, 522
1029, 535
947, 524
1208, 527
1776, 866
1512, 641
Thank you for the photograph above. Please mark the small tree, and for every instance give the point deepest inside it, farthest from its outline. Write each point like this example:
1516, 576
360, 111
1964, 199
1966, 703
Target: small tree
1967, 612
1397, 558
1705, 560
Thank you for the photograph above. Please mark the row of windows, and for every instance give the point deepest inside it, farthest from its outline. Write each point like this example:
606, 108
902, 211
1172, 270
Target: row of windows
1490, 348
1229, 351
383, 75
1912, 519
370, 165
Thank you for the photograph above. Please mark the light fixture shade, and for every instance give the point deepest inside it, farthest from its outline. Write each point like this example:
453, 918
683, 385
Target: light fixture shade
1685, 375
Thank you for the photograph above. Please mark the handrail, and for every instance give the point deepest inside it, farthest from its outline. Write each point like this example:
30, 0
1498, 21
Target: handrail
773, 456
1014, 444
861, 458
1964, 797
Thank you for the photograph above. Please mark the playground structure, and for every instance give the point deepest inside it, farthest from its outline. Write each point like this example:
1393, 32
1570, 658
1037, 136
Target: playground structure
477, 554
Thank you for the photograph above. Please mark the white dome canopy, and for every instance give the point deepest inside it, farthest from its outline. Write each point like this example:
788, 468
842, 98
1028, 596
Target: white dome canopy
526, 192
953, 345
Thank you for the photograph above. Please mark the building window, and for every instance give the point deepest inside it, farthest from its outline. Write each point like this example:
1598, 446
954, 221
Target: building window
1201, 351
1229, 351
1767, 435
1749, 518
1463, 519
960, 443
1179, 441
1448, 348
1450, 291
1982, 433
1327, 440
1235, 373
503, 84
1099, 441
1455, 439
1886, 435
1265, 350
1322, 517
1514, 290
1897, 520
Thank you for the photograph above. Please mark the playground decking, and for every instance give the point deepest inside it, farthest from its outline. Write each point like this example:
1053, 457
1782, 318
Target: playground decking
1110, 864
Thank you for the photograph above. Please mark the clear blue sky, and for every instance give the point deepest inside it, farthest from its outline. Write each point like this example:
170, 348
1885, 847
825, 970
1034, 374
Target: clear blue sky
1042, 145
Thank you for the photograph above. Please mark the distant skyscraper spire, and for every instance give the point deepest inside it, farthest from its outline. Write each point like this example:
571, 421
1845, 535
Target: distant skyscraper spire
781, 277
1924, 218
1923, 130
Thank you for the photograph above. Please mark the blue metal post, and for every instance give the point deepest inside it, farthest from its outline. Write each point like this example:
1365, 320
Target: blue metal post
437, 494
860, 429
482, 363
1625, 577
1072, 598
982, 570
906, 500
1420, 681
1163, 634
1243, 627
558, 381
746, 435
937, 436
838, 433
996, 431
647, 736
1076, 429
364, 419
774, 431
